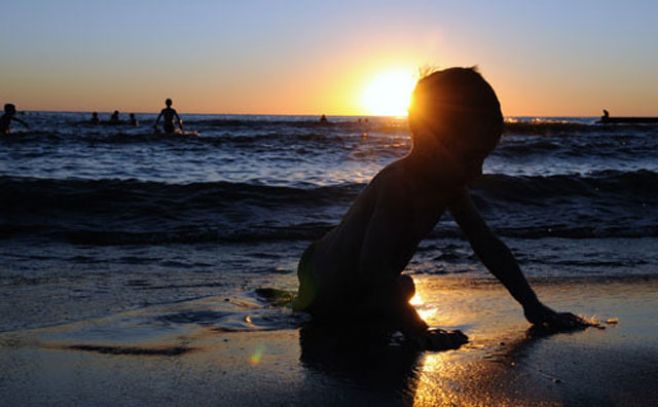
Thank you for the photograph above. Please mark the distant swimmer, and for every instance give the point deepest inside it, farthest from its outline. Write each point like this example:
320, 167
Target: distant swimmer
606, 114
133, 120
8, 117
114, 119
169, 115
94, 118
324, 120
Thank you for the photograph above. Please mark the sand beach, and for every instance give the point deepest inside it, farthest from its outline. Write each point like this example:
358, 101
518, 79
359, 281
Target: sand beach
136, 358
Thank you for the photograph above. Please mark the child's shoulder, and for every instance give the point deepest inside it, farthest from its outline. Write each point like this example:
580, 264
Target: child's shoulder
392, 180
392, 174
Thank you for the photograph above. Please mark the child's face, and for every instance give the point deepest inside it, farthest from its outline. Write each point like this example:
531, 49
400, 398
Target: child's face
468, 156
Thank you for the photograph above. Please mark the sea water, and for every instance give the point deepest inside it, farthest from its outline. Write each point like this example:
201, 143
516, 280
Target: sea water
100, 219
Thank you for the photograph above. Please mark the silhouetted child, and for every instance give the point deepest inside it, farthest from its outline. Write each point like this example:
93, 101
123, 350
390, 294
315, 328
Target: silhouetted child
354, 271
169, 114
8, 117
133, 120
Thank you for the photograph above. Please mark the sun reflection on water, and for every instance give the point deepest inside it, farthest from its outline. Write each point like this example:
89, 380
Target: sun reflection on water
416, 300
424, 310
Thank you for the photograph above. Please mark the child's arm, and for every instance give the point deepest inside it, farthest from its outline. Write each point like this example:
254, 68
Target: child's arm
500, 261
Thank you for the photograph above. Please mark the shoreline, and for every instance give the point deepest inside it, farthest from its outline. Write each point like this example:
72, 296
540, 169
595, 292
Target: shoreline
135, 358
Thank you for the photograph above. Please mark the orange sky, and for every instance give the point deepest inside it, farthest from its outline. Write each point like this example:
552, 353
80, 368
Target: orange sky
285, 59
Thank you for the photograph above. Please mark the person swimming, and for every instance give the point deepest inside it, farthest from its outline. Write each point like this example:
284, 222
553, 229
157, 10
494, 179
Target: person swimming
133, 120
8, 117
169, 114
94, 118
114, 119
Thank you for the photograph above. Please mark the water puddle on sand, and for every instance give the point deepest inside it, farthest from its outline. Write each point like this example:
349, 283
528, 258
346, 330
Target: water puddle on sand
166, 330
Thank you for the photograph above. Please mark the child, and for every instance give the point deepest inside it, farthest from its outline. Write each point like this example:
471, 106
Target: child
169, 115
354, 270
8, 117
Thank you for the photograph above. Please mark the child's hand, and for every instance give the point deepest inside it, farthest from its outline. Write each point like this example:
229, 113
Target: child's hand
545, 317
438, 339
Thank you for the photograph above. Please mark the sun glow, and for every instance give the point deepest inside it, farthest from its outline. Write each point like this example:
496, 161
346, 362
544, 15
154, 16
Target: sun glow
388, 93
416, 299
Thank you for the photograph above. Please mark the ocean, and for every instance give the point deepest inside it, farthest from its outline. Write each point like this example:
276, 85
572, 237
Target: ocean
97, 220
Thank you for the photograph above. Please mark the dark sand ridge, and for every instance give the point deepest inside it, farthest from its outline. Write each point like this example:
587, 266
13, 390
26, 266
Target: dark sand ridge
142, 358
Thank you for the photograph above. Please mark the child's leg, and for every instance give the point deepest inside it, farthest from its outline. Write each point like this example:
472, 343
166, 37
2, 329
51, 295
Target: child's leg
405, 313
390, 303
307, 287
413, 326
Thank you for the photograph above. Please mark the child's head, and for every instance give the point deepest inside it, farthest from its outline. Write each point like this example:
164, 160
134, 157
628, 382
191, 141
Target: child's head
168, 102
10, 108
458, 111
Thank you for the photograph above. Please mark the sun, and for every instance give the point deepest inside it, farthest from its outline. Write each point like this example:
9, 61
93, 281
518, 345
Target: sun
388, 93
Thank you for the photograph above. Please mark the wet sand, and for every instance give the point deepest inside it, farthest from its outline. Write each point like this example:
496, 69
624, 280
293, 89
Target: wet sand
132, 359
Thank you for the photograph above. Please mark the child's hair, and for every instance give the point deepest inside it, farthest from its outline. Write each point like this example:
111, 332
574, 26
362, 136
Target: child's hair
168, 102
454, 102
10, 108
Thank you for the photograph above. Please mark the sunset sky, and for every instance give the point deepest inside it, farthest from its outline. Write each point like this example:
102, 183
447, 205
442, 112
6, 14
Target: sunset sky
553, 58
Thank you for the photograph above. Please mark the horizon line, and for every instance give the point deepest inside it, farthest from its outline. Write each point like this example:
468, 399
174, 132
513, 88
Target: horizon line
286, 114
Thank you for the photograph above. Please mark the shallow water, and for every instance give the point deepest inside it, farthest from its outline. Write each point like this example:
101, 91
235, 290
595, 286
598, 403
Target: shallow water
100, 219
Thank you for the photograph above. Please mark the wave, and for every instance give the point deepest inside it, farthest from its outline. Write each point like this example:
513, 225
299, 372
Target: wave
82, 193
304, 233
252, 140
571, 127
102, 212
605, 185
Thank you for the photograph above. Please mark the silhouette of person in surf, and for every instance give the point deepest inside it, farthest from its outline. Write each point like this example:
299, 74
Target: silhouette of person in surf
133, 120
169, 114
94, 118
114, 119
8, 117
323, 119
354, 271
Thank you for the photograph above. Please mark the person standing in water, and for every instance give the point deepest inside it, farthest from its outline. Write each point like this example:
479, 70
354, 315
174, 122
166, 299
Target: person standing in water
169, 114
114, 119
94, 118
8, 117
